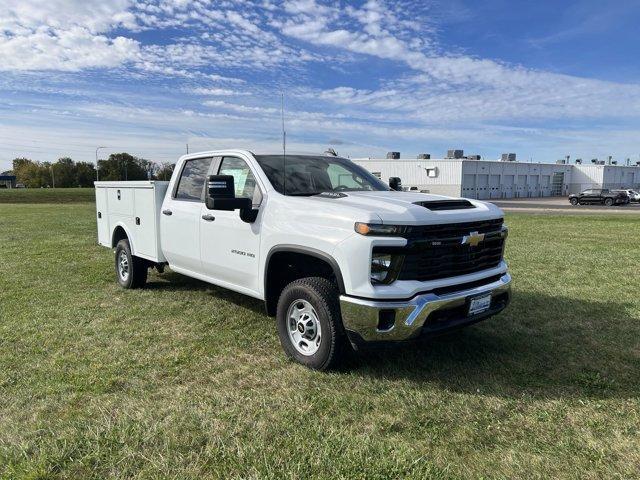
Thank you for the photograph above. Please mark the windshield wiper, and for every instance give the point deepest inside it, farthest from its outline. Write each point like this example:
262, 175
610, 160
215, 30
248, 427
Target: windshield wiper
303, 194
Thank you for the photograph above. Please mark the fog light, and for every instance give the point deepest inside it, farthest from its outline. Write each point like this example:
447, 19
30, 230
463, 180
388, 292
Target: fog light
385, 267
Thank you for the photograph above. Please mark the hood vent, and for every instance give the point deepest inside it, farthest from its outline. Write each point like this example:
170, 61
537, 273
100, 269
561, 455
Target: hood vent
446, 204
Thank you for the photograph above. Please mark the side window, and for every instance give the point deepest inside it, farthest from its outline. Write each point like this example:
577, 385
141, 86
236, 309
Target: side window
243, 179
192, 179
341, 177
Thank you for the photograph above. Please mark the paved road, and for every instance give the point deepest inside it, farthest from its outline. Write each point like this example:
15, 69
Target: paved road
561, 205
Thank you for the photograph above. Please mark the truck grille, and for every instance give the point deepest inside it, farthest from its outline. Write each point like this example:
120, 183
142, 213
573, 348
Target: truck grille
437, 251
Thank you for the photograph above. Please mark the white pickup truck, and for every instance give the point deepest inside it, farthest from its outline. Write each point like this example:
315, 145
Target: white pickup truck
339, 258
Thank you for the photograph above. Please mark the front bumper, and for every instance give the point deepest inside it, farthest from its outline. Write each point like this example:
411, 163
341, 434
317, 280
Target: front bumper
426, 314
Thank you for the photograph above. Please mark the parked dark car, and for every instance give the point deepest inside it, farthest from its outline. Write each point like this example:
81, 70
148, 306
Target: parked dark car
600, 196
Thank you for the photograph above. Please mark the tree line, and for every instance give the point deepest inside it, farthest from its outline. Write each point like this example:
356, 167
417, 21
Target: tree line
66, 173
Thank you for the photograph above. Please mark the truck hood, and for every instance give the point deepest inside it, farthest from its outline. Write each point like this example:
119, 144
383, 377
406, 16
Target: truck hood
404, 207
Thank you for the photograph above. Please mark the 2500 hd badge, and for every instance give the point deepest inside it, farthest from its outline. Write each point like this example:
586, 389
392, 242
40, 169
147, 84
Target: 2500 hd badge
244, 254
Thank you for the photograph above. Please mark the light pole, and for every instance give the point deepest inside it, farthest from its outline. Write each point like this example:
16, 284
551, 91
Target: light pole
98, 174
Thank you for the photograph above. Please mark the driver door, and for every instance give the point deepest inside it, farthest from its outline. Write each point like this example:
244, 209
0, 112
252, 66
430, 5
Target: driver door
229, 247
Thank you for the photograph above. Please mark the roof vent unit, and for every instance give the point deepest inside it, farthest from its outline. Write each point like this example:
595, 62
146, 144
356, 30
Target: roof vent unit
473, 157
614, 162
508, 157
424, 156
393, 155
562, 161
455, 153
578, 161
594, 161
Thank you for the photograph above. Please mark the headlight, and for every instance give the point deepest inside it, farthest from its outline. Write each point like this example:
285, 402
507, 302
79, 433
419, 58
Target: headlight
385, 267
379, 229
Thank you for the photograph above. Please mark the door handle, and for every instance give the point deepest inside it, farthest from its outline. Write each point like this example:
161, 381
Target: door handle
167, 212
208, 218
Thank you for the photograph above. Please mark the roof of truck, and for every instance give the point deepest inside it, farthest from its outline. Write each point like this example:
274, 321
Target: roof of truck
251, 152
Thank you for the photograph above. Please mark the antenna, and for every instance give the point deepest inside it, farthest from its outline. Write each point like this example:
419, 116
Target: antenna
284, 147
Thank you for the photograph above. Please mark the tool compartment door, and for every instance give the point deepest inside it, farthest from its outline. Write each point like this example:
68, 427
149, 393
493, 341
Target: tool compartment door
102, 217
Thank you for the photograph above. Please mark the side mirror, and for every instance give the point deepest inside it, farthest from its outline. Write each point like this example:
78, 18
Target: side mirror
395, 183
221, 195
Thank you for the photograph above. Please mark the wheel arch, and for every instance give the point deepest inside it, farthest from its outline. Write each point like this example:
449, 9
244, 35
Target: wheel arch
121, 232
314, 258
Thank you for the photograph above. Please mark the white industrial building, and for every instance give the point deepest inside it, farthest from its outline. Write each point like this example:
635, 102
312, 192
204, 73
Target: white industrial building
482, 179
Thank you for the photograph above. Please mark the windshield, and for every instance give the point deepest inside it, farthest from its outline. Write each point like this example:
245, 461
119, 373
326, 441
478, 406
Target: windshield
311, 175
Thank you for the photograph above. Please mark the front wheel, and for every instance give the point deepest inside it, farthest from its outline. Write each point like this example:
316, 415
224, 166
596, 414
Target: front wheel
573, 201
608, 202
131, 271
310, 325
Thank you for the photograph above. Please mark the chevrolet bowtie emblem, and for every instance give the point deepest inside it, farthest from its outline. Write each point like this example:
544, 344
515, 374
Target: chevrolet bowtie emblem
473, 239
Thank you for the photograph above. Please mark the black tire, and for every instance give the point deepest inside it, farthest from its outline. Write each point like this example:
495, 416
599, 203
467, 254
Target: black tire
608, 202
323, 296
137, 268
573, 201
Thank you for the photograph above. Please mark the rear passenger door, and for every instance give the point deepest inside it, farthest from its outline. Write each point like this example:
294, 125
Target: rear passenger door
597, 196
180, 219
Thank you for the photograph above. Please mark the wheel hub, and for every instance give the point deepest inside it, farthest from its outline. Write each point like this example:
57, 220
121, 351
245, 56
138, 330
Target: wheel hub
123, 265
304, 327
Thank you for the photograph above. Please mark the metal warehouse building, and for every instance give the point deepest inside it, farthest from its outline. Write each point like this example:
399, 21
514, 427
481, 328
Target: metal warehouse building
604, 176
482, 179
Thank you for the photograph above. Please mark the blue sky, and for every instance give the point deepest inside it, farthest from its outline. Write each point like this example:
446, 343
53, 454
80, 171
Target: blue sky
544, 79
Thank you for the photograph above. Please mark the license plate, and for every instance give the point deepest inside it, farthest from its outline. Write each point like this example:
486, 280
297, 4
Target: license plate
479, 304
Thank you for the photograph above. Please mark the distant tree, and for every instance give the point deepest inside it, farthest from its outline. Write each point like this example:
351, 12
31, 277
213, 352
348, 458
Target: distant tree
123, 166
65, 173
32, 174
85, 174
165, 171
44, 175
8, 172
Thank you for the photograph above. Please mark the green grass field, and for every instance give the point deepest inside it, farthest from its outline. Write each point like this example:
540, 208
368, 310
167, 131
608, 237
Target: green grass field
47, 195
185, 380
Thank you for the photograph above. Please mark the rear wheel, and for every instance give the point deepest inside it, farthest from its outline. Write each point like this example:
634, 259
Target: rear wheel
573, 201
131, 272
608, 202
310, 325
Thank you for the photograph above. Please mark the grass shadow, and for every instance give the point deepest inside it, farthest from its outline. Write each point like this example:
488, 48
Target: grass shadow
541, 346
173, 282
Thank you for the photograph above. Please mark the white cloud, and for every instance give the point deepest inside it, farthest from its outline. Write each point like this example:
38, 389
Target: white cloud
239, 108
450, 88
65, 35
218, 92
65, 50
96, 16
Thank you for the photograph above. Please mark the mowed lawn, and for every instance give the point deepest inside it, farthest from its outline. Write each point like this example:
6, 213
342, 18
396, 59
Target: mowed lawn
47, 195
186, 380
